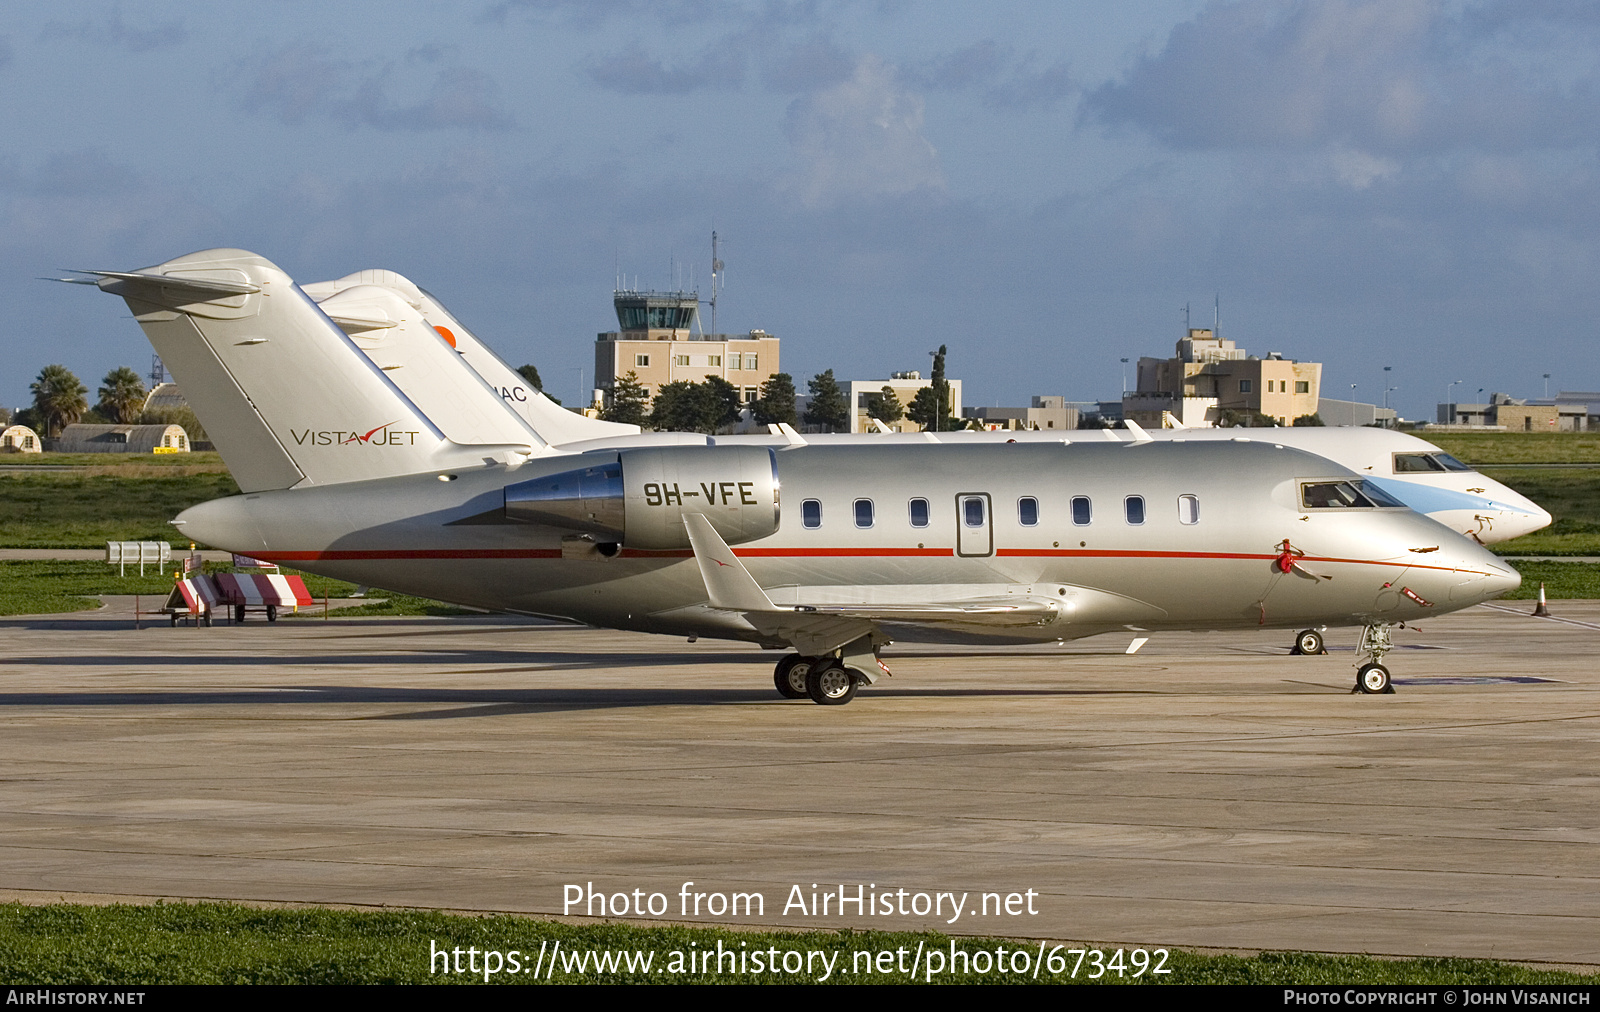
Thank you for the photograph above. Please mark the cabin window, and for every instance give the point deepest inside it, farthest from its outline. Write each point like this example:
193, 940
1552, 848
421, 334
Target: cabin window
1188, 509
972, 512
863, 513
919, 512
1081, 511
811, 513
1028, 511
1133, 509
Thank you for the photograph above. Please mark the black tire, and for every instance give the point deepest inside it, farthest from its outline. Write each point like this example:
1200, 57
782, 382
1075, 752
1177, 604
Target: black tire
174, 620
238, 613
1373, 679
205, 620
831, 683
1309, 642
272, 613
789, 677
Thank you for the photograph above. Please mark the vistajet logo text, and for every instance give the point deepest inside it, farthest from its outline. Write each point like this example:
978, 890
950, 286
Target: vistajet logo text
383, 435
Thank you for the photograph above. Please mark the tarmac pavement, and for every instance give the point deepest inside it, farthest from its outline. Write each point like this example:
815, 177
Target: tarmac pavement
1208, 791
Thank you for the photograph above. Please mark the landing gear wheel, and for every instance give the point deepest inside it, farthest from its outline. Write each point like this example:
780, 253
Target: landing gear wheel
1373, 679
1309, 642
831, 684
790, 676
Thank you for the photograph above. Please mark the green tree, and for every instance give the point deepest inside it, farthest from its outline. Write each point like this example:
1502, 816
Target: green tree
726, 396
885, 406
775, 405
1312, 419
687, 407
629, 402
121, 395
531, 375
932, 408
183, 416
59, 399
829, 408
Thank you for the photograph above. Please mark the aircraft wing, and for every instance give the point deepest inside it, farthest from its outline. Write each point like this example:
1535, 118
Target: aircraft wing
816, 629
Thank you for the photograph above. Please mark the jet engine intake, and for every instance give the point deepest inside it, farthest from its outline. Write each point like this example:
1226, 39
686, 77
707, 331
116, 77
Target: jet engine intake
639, 497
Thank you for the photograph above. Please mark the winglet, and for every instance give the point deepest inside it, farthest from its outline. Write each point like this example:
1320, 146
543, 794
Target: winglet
786, 430
1139, 435
729, 585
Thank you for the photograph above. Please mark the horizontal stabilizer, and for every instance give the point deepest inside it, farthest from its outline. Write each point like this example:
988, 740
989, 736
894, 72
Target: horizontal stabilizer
219, 286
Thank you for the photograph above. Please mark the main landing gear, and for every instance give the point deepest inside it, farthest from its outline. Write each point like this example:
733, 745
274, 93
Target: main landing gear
1372, 678
824, 679
1309, 642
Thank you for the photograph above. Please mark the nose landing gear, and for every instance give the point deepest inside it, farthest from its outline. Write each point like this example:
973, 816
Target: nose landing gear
1372, 678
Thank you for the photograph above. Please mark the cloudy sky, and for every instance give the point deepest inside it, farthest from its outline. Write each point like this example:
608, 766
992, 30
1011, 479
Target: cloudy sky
1042, 186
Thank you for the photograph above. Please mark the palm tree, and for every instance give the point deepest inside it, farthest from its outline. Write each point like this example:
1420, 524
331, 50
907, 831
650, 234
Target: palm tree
58, 398
122, 396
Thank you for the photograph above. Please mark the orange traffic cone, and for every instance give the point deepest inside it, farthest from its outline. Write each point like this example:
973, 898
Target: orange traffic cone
1540, 611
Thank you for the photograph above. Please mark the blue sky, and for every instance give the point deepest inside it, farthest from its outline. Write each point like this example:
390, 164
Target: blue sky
1040, 186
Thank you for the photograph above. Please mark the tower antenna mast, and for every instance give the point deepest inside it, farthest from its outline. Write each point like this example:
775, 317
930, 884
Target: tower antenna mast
716, 282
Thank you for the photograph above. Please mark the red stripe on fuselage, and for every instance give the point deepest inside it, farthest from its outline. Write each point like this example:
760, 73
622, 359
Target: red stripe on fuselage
334, 555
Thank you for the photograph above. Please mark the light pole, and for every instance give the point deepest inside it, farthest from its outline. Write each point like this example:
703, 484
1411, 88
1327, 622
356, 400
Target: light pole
1546, 386
1124, 375
1450, 405
1386, 387
938, 415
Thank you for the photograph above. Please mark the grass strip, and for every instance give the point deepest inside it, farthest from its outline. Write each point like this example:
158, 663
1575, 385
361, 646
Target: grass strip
52, 586
1562, 580
222, 943
1482, 448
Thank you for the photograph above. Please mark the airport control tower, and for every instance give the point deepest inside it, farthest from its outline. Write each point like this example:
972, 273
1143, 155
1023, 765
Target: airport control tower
656, 341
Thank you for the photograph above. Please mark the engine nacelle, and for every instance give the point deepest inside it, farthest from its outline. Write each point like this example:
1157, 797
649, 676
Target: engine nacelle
639, 496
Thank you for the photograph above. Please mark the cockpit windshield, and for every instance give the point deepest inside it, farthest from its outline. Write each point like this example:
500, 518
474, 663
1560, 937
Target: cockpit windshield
1352, 494
1416, 463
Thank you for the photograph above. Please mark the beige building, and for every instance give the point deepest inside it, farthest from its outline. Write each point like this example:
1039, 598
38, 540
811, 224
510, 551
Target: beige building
905, 386
1208, 367
656, 341
1046, 413
20, 439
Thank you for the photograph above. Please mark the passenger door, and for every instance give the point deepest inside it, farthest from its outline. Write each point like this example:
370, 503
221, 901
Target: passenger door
974, 525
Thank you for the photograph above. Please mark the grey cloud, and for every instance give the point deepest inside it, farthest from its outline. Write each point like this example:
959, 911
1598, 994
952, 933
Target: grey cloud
111, 30
635, 72
997, 74
978, 64
5, 50
862, 138
588, 15
301, 80
461, 99
1389, 77
294, 82
816, 62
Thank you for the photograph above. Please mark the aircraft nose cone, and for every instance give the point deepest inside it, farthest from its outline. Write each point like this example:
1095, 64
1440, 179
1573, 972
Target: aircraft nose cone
1502, 579
1514, 522
220, 523
1483, 579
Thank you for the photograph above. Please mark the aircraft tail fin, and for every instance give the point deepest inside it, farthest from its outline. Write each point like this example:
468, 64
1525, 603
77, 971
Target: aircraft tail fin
284, 394
553, 423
